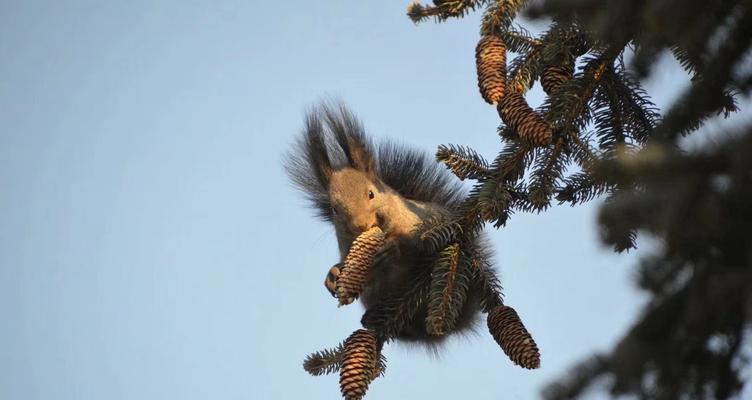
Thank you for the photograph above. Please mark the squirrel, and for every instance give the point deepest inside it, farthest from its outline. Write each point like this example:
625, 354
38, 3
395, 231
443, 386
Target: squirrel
357, 185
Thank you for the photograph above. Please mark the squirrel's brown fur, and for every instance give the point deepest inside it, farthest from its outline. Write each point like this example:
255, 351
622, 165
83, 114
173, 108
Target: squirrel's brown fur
356, 186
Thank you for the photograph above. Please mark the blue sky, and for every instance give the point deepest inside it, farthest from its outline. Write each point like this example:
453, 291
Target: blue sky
151, 246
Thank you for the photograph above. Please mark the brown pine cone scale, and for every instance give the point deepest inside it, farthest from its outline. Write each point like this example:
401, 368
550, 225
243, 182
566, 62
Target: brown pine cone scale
553, 76
517, 114
509, 332
359, 364
491, 64
353, 275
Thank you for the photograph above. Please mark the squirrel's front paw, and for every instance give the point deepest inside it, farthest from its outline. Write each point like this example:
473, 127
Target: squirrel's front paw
331, 279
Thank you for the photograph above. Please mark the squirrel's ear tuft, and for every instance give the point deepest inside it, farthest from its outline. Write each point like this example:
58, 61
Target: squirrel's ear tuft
316, 150
309, 165
350, 137
362, 160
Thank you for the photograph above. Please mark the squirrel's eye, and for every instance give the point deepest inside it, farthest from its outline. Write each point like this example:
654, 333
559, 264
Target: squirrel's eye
370, 194
334, 211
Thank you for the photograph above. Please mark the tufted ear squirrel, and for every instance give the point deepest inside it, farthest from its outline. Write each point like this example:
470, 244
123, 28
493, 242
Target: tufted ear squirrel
356, 185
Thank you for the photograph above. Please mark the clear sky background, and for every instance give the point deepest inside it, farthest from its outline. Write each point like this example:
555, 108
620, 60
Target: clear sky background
152, 248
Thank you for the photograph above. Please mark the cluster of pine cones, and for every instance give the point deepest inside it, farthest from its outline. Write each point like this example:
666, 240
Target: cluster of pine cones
359, 360
490, 60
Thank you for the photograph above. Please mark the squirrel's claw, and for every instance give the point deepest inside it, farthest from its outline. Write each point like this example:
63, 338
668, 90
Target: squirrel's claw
331, 279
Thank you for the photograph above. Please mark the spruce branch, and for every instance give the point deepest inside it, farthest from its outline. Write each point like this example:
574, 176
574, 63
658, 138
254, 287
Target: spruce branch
519, 40
572, 387
391, 316
560, 43
463, 162
580, 188
609, 121
523, 70
510, 164
688, 61
500, 14
601, 120
484, 279
449, 285
325, 361
548, 171
442, 10
707, 96
568, 108
496, 201
436, 232
640, 114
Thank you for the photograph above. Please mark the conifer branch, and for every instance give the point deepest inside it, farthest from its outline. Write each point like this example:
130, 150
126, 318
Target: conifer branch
436, 232
580, 188
325, 361
688, 61
500, 14
484, 280
519, 40
582, 377
390, 317
496, 201
442, 9
523, 70
585, 156
463, 162
640, 114
449, 287
707, 96
549, 170
510, 164
608, 117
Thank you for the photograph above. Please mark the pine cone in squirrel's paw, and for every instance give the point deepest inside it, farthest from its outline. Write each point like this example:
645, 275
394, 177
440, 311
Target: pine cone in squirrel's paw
353, 275
509, 332
359, 364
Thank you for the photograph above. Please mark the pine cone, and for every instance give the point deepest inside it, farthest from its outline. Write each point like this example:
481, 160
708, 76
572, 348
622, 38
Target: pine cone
515, 112
509, 332
491, 63
353, 275
553, 76
359, 364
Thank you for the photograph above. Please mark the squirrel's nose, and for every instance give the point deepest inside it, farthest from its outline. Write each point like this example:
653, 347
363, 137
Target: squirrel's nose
362, 226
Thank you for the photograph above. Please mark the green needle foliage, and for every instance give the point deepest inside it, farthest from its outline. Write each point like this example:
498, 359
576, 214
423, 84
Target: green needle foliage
329, 361
450, 280
608, 140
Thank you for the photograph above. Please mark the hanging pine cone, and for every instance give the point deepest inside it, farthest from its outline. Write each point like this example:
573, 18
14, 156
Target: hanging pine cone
353, 275
491, 63
359, 364
509, 332
515, 112
553, 76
